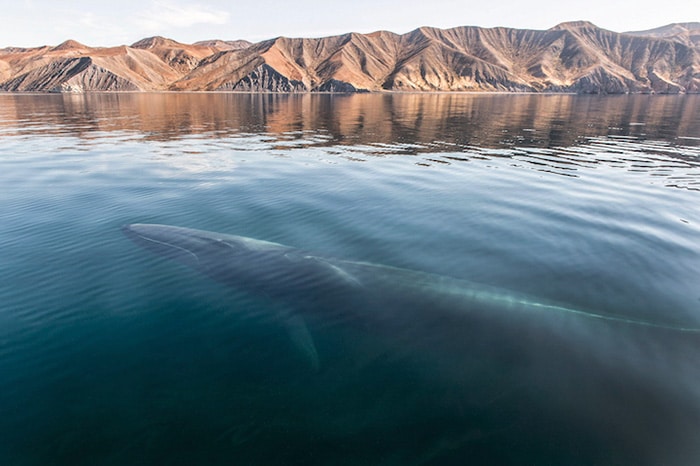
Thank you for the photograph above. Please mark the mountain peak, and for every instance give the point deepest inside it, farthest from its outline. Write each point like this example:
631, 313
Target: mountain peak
569, 25
70, 44
154, 42
224, 45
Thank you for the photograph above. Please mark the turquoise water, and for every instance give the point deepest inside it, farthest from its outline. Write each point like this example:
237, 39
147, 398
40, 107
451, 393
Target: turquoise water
110, 354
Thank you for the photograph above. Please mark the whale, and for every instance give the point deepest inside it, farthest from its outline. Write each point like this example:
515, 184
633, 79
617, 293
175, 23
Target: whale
626, 384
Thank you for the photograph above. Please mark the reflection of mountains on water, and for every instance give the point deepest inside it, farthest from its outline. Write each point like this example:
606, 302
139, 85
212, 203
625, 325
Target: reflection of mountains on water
556, 132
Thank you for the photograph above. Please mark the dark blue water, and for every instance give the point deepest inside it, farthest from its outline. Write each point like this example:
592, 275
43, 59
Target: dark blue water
110, 354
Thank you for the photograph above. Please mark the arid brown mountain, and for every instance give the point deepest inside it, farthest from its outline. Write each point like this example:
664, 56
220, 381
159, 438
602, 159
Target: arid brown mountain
73, 67
570, 57
225, 44
686, 33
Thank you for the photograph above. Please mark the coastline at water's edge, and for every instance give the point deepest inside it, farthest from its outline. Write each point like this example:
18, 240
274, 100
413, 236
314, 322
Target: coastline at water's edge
380, 92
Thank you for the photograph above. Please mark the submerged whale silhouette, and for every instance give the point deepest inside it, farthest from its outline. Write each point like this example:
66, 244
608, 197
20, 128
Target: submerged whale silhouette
625, 383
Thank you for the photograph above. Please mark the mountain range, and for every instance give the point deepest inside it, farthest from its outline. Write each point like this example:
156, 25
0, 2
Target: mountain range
570, 57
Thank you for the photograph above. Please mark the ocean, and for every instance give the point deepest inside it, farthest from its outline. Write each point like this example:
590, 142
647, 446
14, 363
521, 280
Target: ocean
112, 355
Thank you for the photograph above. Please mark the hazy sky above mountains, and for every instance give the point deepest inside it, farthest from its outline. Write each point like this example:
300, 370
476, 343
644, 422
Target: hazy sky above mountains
48, 22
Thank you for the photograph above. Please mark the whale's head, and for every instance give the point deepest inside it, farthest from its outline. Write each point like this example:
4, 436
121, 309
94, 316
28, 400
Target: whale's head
259, 266
181, 244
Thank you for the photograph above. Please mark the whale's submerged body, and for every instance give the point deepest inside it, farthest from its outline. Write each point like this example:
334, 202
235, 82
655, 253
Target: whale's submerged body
499, 364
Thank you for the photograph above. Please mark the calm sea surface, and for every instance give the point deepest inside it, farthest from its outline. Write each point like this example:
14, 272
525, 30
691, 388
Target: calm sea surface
111, 355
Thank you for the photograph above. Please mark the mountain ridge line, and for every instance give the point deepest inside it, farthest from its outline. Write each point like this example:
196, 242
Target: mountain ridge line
572, 57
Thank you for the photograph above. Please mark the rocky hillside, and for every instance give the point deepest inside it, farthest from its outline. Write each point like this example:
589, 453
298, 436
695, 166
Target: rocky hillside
685, 33
570, 57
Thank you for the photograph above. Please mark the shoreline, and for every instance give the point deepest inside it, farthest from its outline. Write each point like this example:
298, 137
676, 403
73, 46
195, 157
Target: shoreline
473, 93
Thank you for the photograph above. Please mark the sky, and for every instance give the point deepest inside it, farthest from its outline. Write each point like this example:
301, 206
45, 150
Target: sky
29, 23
